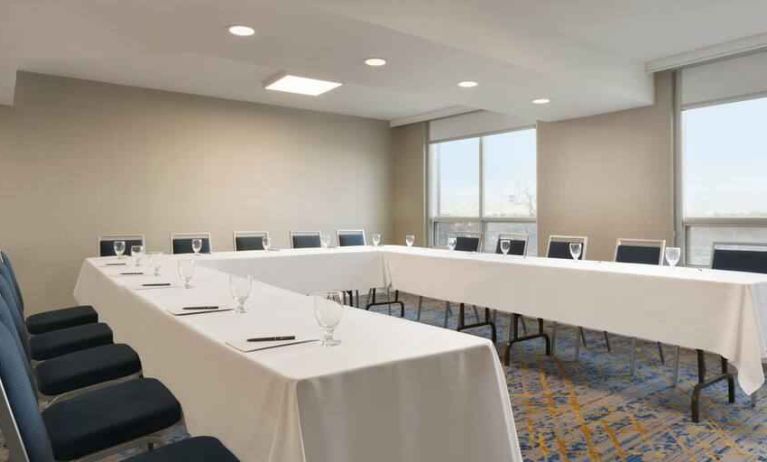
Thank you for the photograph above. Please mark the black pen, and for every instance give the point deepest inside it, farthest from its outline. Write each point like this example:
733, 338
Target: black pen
157, 284
131, 273
200, 308
116, 264
272, 339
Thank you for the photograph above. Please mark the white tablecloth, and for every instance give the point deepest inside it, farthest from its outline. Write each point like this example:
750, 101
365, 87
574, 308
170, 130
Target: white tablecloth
394, 390
722, 312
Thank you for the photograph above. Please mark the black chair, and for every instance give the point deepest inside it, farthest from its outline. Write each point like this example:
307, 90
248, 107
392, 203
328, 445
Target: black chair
559, 247
181, 243
97, 423
517, 244
197, 449
305, 239
249, 240
351, 237
106, 243
50, 320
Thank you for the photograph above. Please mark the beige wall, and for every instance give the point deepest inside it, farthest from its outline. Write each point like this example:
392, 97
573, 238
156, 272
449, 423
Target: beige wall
408, 183
609, 176
79, 159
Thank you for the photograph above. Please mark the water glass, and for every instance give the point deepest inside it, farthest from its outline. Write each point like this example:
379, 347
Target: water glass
376, 240
328, 311
185, 270
410, 240
155, 262
266, 242
673, 254
240, 287
137, 252
324, 240
451, 241
196, 246
505, 246
119, 248
575, 250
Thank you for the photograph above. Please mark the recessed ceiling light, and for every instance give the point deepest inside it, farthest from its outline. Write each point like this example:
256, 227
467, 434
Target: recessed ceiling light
375, 62
541, 101
467, 84
241, 31
301, 85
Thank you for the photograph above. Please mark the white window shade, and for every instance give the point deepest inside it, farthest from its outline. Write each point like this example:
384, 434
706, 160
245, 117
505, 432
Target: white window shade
724, 80
475, 124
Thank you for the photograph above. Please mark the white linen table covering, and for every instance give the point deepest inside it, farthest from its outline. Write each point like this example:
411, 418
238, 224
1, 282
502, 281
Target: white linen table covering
394, 390
722, 312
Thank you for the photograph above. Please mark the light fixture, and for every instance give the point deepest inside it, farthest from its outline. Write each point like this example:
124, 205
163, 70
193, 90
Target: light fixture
301, 85
241, 31
467, 84
375, 62
541, 101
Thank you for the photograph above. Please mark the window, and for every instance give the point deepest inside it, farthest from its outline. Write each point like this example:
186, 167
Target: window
484, 185
724, 176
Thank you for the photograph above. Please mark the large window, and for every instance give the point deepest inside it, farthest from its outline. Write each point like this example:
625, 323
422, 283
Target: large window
484, 185
724, 176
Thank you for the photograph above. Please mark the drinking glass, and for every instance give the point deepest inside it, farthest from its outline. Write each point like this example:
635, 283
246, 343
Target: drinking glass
155, 262
137, 252
328, 311
119, 248
266, 242
324, 240
505, 246
451, 241
196, 246
185, 270
575, 250
409, 240
376, 240
673, 254
240, 287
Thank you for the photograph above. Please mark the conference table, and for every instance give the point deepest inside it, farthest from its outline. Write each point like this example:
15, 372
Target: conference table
396, 389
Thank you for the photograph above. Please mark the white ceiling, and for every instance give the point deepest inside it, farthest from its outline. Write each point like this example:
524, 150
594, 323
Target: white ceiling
588, 56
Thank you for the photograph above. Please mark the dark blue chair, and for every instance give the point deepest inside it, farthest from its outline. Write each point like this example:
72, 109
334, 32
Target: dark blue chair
751, 258
305, 239
249, 240
517, 244
197, 449
351, 237
181, 243
107, 248
467, 243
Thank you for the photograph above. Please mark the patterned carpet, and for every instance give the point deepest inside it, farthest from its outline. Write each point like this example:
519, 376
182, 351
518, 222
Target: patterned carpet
591, 410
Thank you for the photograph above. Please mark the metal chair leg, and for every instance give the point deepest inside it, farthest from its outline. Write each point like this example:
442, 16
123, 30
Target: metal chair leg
633, 356
582, 334
554, 338
476, 313
660, 353
754, 398
524, 326
388, 298
577, 345
447, 313
420, 306
607, 341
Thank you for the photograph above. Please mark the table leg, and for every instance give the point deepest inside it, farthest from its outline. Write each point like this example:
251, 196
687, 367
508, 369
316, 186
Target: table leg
703, 383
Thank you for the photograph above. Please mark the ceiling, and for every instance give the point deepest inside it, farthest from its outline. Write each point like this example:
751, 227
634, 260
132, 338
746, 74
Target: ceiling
587, 56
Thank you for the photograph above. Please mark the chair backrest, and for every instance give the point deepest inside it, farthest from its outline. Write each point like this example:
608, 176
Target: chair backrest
182, 242
18, 320
642, 251
6, 267
351, 237
249, 240
559, 246
305, 239
6, 319
20, 418
106, 243
518, 243
468, 242
746, 257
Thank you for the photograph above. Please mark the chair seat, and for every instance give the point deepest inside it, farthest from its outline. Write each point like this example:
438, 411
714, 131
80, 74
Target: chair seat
69, 340
197, 449
61, 319
85, 368
109, 416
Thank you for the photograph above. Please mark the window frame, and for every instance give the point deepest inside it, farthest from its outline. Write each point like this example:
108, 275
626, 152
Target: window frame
434, 193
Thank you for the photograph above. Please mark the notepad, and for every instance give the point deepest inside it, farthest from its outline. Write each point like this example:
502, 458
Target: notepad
243, 345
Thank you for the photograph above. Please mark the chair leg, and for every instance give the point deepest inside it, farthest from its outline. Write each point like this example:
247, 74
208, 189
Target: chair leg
607, 341
461, 316
754, 398
401, 304
582, 334
675, 380
577, 344
420, 306
357, 293
554, 325
660, 353
524, 326
447, 313
388, 298
511, 326
492, 324
633, 356
476, 313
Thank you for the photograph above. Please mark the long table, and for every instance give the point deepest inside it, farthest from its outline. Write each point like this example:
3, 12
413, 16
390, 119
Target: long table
393, 390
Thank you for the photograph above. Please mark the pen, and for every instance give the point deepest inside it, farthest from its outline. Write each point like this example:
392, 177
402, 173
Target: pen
272, 339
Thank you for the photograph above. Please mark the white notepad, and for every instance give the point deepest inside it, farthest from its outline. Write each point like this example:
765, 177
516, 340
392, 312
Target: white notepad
246, 347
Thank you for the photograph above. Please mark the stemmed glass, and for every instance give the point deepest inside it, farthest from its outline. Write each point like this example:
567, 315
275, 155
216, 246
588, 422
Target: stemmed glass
376, 240
575, 250
119, 248
324, 240
196, 246
451, 241
185, 269
328, 311
673, 254
137, 252
240, 287
155, 262
410, 240
266, 242
505, 246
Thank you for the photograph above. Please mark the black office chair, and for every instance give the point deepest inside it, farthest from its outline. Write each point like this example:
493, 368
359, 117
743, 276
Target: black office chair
305, 239
249, 240
107, 243
49, 320
181, 243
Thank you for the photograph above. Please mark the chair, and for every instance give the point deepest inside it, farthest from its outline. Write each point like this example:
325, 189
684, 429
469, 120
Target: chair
249, 240
305, 239
181, 243
351, 237
196, 449
643, 252
106, 243
93, 424
50, 320
517, 243
558, 246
